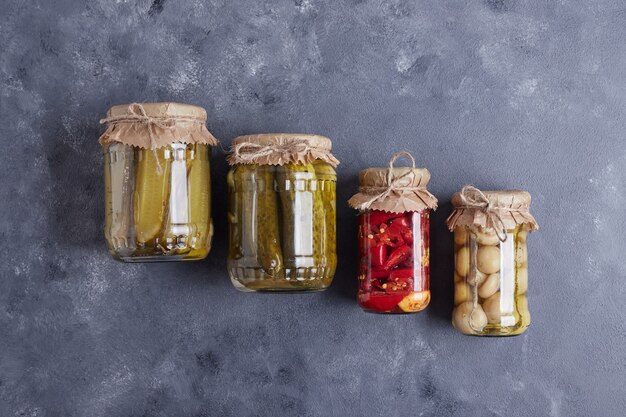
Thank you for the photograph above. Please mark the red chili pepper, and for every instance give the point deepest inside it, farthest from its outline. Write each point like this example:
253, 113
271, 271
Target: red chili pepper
408, 263
402, 221
398, 256
390, 235
407, 235
403, 273
377, 273
378, 255
376, 218
381, 302
377, 284
402, 278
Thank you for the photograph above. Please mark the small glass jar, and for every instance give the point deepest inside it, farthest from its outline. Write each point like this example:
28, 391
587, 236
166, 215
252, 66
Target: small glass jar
491, 265
282, 217
394, 237
157, 201
394, 270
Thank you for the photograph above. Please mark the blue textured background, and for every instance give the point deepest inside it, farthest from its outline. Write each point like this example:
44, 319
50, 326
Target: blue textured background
497, 93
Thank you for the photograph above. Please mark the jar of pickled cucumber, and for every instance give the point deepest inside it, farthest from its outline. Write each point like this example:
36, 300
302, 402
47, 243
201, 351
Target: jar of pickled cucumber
394, 237
491, 261
282, 213
157, 182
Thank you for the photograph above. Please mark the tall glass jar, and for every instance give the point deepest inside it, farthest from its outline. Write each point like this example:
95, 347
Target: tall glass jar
491, 261
394, 238
282, 213
157, 182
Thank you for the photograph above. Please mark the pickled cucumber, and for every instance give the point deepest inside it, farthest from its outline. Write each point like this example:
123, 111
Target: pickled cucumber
151, 194
200, 196
327, 178
119, 230
303, 219
256, 212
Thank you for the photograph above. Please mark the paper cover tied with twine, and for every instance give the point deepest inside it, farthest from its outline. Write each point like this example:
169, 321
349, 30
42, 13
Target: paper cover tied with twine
499, 210
155, 125
281, 149
394, 189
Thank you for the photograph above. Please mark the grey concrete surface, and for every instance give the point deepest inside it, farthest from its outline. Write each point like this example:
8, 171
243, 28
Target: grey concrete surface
498, 93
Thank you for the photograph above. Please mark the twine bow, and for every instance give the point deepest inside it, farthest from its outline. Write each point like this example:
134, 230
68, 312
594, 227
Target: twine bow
248, 151
394, 184
137, 114
473, 198
295, 150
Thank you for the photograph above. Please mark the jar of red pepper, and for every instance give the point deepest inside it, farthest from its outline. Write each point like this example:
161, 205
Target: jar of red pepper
394, 247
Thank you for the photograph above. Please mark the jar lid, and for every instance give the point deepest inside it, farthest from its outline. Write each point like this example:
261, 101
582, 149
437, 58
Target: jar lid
401, 176
501, 210
155, 125
281, 149
394, 189
160, 110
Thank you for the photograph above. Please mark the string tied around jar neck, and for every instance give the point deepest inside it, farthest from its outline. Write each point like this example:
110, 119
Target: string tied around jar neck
473, 198
249, 151
394, 183
137, 114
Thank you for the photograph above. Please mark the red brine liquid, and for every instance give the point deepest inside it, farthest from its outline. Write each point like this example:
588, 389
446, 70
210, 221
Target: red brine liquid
394, 271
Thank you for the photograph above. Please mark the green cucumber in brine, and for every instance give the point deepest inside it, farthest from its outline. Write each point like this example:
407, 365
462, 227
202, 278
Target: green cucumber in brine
255, 218
327, 180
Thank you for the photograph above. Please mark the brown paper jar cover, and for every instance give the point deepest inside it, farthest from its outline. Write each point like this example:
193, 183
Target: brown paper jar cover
155, 125
406, 192
511, 206
281, 149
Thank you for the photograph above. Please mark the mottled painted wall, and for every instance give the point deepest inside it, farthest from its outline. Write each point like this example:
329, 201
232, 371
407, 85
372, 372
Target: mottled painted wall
497, 93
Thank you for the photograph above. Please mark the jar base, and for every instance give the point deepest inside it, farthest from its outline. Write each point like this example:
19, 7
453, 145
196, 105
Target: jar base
394, 313
197, 256
256, 280
500, 331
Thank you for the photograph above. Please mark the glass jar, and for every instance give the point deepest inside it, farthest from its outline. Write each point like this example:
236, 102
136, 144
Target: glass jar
490, 282
157, 201
282, 222
491, 264
394, 237
394, 270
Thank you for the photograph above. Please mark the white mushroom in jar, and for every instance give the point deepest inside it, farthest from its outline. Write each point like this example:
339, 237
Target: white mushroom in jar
488, 259
469, 318
486, 237
460, 235
493, 309
462, 261
462, 293
490, 286
476, 277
